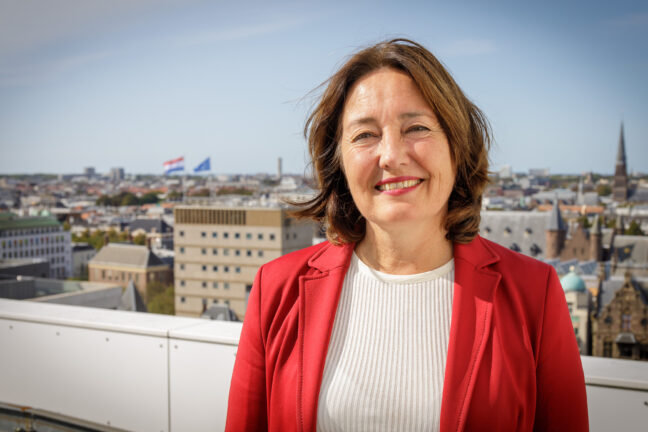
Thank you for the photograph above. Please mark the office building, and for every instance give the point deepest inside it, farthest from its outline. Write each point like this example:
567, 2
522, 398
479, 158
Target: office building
218, 251
36, 237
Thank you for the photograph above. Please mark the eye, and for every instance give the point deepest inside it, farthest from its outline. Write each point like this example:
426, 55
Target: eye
418, 128
362, 136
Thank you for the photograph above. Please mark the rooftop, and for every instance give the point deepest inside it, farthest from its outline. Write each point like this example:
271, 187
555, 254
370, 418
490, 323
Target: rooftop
148, 372
9, 221
123, 254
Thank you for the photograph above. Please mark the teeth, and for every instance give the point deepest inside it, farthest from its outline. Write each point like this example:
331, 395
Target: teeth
398, 185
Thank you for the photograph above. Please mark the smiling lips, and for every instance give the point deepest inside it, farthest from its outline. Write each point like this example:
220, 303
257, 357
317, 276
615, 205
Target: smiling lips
398, 185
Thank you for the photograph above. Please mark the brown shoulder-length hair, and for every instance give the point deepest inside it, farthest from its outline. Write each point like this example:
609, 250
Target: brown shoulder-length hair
465, 126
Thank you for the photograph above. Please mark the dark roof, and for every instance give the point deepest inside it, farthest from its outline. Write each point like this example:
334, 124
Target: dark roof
524, 231
556, 222
149, 225
614, 284
12, 221
131, 300
631, 250
621, 154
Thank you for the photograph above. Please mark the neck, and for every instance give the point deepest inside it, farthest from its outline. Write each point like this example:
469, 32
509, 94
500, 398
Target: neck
407, 250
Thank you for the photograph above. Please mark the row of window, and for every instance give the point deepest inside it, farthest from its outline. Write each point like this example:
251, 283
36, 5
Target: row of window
31, 241
215, 285
32, 253
226, 252
127, 276
235, 235
31, 231
214, 301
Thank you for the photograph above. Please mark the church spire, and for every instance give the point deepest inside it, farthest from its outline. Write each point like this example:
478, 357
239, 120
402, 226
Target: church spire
620, 187
621, 155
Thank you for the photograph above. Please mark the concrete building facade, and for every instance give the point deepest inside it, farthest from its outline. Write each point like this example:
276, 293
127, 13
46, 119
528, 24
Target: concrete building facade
218, 251
122, 263
36, 237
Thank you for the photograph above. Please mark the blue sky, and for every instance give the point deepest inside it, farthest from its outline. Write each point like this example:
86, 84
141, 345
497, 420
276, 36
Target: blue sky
135, 83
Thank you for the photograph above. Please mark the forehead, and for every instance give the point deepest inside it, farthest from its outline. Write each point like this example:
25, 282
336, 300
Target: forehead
381, 91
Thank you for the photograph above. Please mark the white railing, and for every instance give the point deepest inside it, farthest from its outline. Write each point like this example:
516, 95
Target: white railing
146, 372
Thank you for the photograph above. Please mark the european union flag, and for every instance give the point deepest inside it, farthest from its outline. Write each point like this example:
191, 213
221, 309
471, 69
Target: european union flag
204, 166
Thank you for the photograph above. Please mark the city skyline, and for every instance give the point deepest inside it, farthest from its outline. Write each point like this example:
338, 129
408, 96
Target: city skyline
134, 84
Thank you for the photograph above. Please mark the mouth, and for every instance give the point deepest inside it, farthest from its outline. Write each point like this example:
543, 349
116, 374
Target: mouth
398, 184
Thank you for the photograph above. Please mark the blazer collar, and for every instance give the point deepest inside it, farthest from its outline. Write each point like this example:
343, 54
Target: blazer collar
474, 288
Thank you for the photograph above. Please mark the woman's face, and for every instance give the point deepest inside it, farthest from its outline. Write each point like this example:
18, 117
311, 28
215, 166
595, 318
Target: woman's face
395, 155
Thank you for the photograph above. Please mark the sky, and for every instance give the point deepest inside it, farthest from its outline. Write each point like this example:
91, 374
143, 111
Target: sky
133, 83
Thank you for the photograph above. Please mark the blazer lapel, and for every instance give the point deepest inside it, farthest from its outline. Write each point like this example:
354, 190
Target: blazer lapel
472, 306
319, 294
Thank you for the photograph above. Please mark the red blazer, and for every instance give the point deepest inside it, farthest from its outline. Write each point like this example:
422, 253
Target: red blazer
513, 362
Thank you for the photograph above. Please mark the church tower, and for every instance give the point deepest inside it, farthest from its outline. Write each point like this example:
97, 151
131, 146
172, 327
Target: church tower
620, 188
556, 233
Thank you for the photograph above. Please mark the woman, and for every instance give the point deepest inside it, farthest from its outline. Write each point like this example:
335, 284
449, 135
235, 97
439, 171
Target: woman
405, 319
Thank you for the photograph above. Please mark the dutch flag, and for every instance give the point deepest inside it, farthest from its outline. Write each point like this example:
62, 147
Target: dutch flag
174, 165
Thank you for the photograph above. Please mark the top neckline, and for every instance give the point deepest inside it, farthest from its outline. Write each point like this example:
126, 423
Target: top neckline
402, 279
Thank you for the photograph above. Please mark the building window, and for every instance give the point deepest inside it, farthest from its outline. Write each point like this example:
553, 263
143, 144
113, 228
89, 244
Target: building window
181, 233
225, 252
203, 234
625, 350
214, 251
215, 268
215, 284
225, 235
248, 253
181, 250
237, 235
237, 252
214, 234
238, 269
248, 236
227, 302
260, 236
626, 322
226, 285
203, 251
182, 267
204, 284
182, 300
272, 236
607, 349
182, 283
226, 269
294, 235
204, 268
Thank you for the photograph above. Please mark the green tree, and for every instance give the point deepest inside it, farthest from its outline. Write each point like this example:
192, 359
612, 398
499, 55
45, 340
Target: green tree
161, 298
66, 226
634, 229
149, 198
603, 190
174, 196
584, 222
128, 199
140, 239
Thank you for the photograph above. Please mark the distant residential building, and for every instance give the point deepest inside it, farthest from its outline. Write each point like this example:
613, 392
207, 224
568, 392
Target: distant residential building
122, 263
117, 174
36, 237
218, 251
89, 172
159, 234
620, 319
82, 253
578, 302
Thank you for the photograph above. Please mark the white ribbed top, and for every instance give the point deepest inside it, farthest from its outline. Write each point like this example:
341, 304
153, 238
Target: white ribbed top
386, 359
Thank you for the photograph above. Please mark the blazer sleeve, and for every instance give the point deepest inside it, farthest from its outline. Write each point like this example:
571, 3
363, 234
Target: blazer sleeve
247, 405
561, 402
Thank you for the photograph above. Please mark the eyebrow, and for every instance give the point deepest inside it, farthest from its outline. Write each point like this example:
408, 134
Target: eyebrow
407, 115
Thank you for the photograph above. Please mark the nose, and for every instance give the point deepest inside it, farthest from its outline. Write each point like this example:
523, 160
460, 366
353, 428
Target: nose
392, 151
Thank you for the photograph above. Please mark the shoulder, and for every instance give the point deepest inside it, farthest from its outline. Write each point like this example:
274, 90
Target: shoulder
514, 264
296, 261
